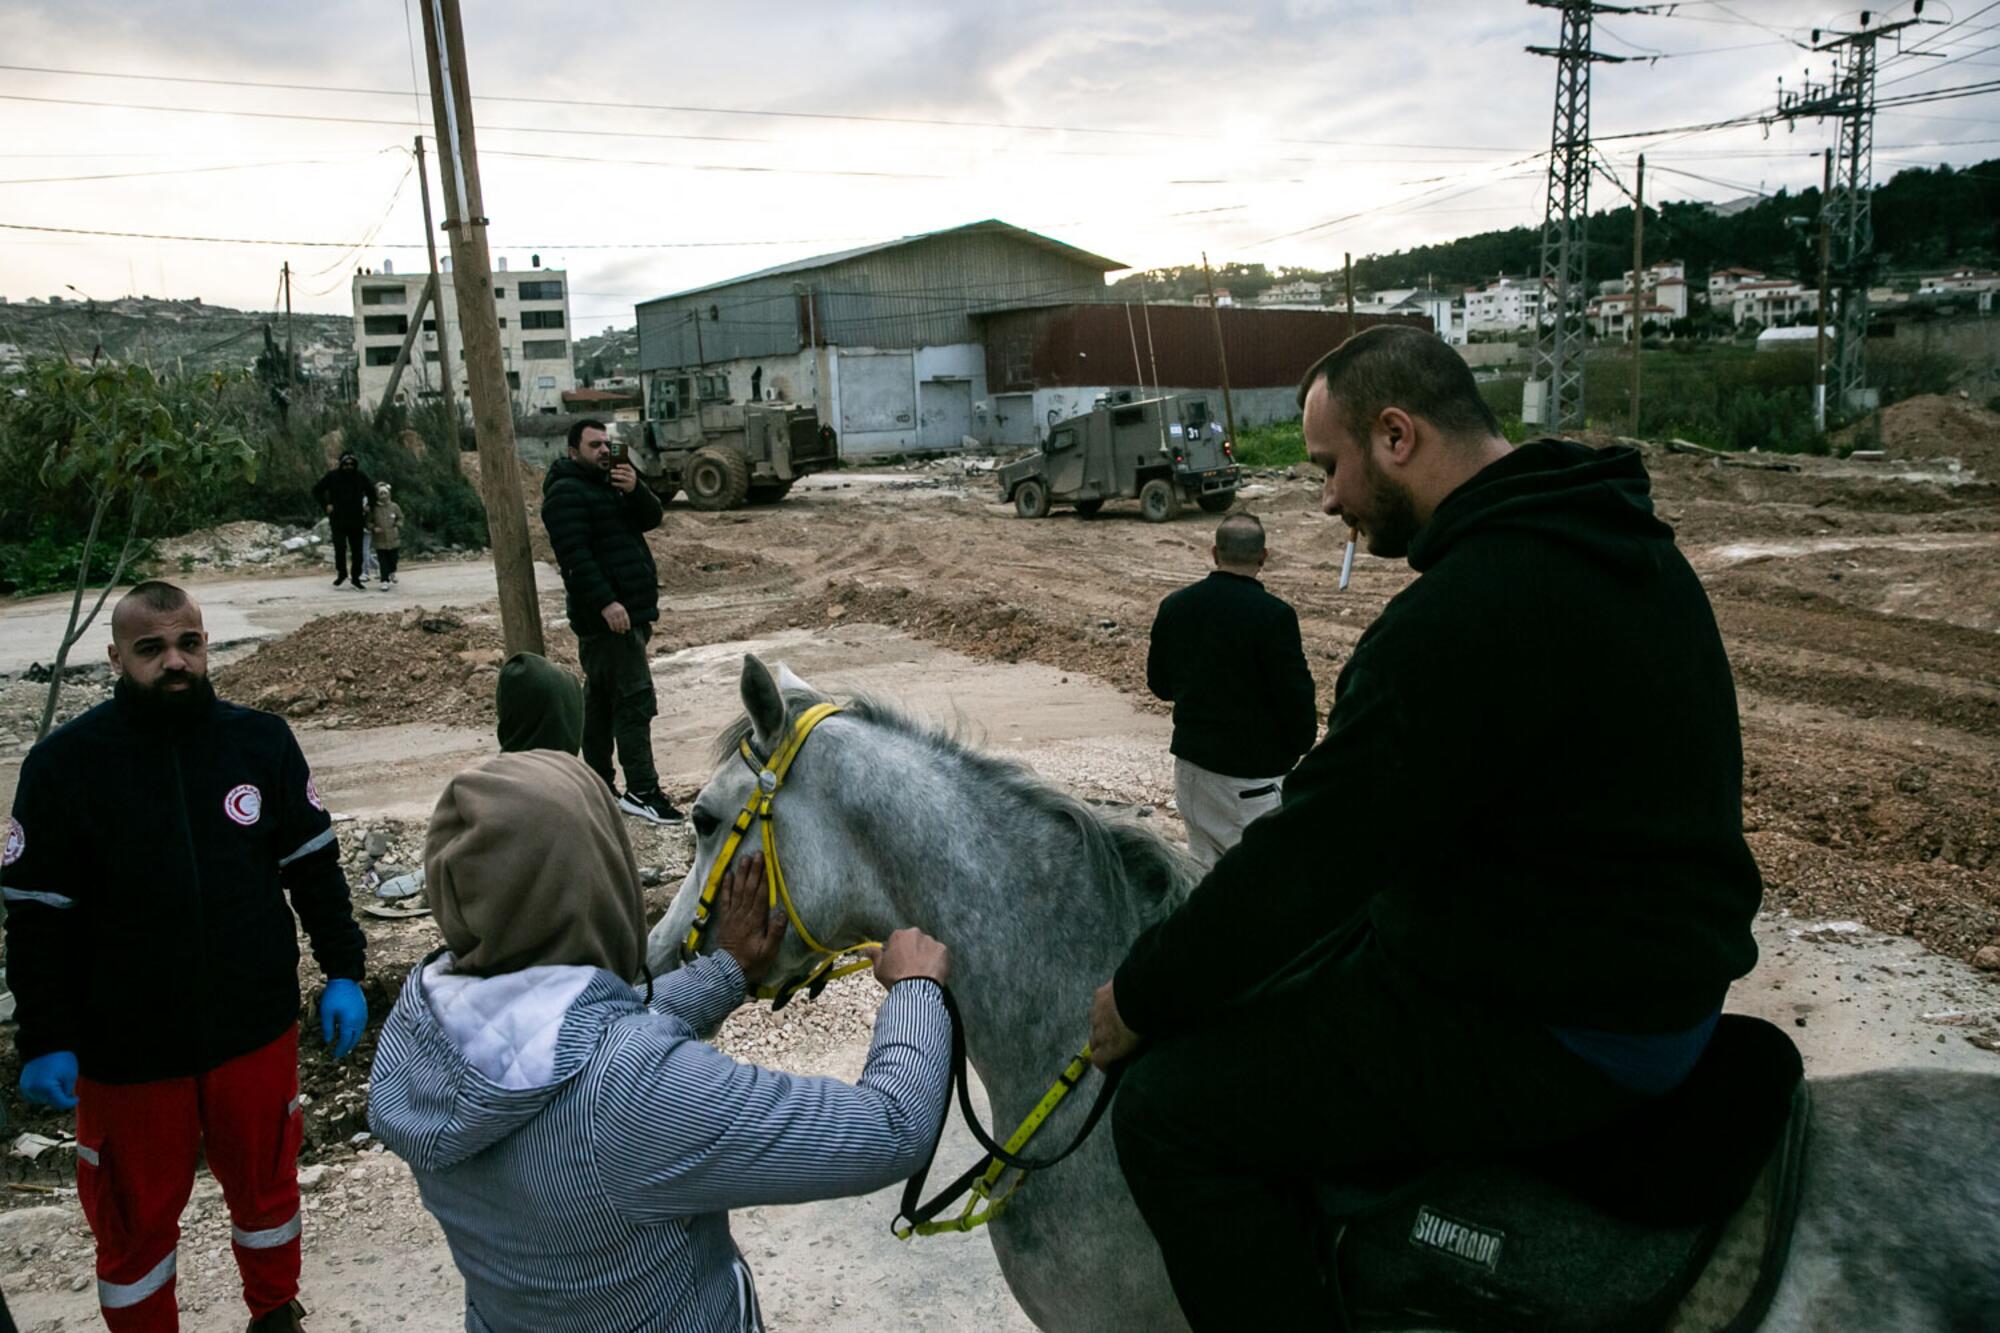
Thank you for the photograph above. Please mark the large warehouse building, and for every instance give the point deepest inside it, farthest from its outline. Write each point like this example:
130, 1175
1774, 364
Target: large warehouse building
981, 334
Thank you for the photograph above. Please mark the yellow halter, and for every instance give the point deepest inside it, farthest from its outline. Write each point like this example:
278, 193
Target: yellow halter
770, 777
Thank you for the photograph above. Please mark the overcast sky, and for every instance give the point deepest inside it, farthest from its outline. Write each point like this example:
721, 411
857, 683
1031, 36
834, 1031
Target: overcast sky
1145, 133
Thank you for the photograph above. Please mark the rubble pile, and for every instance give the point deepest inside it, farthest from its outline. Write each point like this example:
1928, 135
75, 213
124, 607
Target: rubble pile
697, 567
232, 545
361, 669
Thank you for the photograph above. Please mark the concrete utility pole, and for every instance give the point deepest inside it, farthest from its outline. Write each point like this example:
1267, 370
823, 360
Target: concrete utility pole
437, 306
1554, 393
479, 328
1821, 315
1849, 98
1638, 282
1347, 275
1221, 351
288, 330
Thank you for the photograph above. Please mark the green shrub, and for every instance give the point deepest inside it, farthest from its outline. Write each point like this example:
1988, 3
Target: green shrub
45, 560
1278, 444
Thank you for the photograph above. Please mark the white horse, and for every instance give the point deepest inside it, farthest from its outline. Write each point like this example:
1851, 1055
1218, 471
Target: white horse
882, 823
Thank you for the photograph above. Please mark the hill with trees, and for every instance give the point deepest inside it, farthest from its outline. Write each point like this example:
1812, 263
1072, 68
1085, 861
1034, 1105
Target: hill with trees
1925, 218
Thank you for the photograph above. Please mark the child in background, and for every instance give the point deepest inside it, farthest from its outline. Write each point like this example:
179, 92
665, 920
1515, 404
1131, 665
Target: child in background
385, 525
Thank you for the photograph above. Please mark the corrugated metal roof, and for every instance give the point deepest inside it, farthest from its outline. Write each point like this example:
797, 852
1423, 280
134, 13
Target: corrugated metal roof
821, 261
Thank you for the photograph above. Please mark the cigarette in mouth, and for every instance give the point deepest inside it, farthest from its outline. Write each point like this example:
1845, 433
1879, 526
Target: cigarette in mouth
1347, 561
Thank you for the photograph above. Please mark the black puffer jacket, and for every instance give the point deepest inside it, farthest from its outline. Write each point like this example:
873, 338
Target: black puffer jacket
599, 538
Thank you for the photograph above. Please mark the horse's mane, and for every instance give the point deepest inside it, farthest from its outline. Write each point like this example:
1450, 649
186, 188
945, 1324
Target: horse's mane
1131, 862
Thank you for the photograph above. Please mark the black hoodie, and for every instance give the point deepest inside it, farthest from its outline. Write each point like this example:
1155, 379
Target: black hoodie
1529, 794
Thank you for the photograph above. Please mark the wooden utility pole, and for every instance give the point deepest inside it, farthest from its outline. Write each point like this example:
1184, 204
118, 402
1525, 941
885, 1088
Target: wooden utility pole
479, 328
437, 292
1820, 315
1638, 283
1221, 351
1347, 269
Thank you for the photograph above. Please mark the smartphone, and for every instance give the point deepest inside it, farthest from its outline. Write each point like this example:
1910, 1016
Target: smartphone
620, 452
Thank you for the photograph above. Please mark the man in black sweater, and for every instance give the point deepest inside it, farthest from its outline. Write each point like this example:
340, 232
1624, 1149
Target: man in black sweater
1506, 894
598, 514
1226, 654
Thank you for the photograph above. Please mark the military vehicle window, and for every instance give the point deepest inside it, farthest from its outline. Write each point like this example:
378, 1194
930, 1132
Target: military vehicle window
665, 402
1061, 440
1127, 416
1197, 415
714, 388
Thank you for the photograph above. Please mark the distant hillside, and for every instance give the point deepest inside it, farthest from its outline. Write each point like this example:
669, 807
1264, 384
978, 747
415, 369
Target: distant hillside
1924, 220
190, 335
615, 352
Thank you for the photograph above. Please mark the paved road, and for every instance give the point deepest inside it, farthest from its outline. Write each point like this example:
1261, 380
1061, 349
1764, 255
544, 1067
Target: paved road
242, 609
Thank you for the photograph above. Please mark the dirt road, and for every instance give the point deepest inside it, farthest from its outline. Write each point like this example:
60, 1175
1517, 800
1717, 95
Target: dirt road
1858, 608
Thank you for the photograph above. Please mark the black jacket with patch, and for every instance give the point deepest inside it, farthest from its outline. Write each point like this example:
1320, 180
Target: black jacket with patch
145, 878
1226, 653
1529, 795
599, 536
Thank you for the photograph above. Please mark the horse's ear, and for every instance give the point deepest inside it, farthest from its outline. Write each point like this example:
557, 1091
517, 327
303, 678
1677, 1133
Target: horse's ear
764, 703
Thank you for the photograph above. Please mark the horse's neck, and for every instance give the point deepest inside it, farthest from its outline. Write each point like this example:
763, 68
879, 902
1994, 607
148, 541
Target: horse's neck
1031, 935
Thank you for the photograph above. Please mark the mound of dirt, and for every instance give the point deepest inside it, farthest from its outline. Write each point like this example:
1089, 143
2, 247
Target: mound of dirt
1938, 426
697, 567
378, 670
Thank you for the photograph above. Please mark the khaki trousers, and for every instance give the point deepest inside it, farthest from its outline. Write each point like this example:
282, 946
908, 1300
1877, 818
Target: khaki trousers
1216, 809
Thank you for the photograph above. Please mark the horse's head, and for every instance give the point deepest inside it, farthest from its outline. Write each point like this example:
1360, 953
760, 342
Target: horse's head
824, 868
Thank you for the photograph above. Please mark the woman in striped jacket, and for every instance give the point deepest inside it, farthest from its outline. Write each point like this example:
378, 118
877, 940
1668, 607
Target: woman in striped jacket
580, 1146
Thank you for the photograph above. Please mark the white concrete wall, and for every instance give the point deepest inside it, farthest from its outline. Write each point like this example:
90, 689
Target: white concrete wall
875, 416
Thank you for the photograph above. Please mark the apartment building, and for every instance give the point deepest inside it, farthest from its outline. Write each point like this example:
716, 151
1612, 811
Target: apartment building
1723, 282
533, 308
1774, 301
1503, 305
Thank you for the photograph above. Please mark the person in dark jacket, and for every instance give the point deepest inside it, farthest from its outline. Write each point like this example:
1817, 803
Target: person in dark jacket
1226, 653
156, 965
597, 515
346, 495
540, 706
1505, 895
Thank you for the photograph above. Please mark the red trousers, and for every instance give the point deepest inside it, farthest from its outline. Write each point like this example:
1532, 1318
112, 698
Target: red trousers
137, 1148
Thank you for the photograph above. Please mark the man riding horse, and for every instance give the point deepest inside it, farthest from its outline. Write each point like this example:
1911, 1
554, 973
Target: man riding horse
1505, 895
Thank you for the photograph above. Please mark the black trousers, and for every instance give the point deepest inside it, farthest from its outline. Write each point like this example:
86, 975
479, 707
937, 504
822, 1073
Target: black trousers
347, 552
388, 560
619, 705
1354, 1077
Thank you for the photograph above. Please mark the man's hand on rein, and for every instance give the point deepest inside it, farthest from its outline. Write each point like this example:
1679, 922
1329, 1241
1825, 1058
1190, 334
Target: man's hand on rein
747, 927
1110, 1040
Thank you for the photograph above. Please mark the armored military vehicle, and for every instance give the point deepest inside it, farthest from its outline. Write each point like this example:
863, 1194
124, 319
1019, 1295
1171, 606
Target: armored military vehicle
724, 454
1159, 451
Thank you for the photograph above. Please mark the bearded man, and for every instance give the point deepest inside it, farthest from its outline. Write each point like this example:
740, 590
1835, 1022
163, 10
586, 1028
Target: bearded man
155, 962
1505, 895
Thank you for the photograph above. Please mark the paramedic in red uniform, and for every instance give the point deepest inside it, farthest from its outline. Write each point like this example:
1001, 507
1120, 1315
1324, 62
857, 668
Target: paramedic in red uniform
156, 963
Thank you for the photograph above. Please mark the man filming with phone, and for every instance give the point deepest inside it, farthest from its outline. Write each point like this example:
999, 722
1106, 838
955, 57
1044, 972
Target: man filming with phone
598, 514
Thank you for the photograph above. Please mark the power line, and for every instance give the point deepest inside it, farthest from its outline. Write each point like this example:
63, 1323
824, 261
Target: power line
180, 171
772, 113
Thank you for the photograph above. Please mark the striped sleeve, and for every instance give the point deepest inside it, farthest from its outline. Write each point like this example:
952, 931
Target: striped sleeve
681, 1129
701, 993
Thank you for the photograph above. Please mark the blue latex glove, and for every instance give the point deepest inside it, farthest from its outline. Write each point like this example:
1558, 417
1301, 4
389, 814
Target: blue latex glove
51, 1079
343, 1013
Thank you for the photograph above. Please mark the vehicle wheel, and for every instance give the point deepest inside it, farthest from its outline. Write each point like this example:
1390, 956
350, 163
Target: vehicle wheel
1159, 502
718, 477
769, 492
1089, 508
1031, 499
1216, 502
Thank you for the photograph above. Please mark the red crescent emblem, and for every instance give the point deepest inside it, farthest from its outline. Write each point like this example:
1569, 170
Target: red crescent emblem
312, 794
244, 804
17, 843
